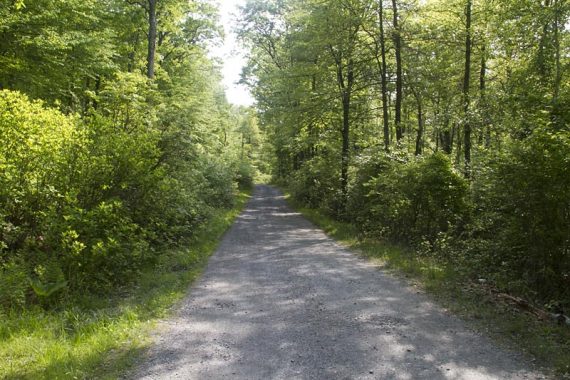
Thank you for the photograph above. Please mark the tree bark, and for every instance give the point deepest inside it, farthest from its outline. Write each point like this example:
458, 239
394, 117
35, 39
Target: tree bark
558, 65
384, 79
345, 144
346, 97
97, 90
398, 50
152, 27
345, 84
446, 135
446, 141
542, 46
466, 82
420, 136
483, 98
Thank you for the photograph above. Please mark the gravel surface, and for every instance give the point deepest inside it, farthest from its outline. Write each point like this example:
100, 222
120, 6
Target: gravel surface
281, 300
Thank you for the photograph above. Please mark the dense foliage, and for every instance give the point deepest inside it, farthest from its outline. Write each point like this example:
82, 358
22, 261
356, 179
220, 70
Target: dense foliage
110, 150
443, 125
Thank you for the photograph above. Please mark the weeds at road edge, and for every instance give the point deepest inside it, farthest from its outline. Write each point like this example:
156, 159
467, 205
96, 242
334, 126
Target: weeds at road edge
102, 337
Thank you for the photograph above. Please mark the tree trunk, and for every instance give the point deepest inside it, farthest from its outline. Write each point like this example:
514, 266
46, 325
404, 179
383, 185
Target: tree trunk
542, 46
446, 141
97, 90
152, 27
446, 138
420, 136
466, 81
483, 98
558, 65
346, 96
458, 144
437, 140
384, 78
398, 47
132, 54
345, 145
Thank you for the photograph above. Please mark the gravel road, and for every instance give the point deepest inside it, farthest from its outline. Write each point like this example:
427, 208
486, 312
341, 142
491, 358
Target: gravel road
281, 300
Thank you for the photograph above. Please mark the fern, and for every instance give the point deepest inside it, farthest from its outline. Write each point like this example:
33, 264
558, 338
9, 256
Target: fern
46, 290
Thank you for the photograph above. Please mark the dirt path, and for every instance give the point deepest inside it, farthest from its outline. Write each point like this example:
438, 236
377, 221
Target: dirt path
280, 300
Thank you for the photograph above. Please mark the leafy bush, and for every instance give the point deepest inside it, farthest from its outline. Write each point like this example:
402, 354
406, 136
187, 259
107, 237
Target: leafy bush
48, 281
369, 166
244, 175
317, 184
417, 200
84, 203
523, 222
35, 165
97, 247
218, 185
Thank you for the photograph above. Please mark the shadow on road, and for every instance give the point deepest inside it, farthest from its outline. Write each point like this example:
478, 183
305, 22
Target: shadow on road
281, 300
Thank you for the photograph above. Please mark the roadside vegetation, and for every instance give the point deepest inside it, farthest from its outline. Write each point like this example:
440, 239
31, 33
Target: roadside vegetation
101, 336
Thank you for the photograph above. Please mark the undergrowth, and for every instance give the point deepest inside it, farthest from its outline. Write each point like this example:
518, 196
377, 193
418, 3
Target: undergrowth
97, 337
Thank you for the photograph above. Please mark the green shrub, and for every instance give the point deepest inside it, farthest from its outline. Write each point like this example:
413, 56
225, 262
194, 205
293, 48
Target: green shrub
48, 282
14, 285
85, 203
35, 164
244, 175
369, 166
417, 200
98, 247
523, 219
317, 185
218, 185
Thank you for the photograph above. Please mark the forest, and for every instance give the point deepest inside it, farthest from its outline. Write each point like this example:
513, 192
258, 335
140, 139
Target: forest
441, 125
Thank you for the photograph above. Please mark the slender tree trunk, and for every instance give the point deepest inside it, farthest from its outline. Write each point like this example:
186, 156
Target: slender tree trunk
456, 136
346, 97
446, 141
385, 116
398, 47
420, 136
132, 53
152, 27
97, 90
483, 97
446, 135
466, 82
558, 65
482, 74
437, 139
345, 84
542, 46
84, 99
345, 144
